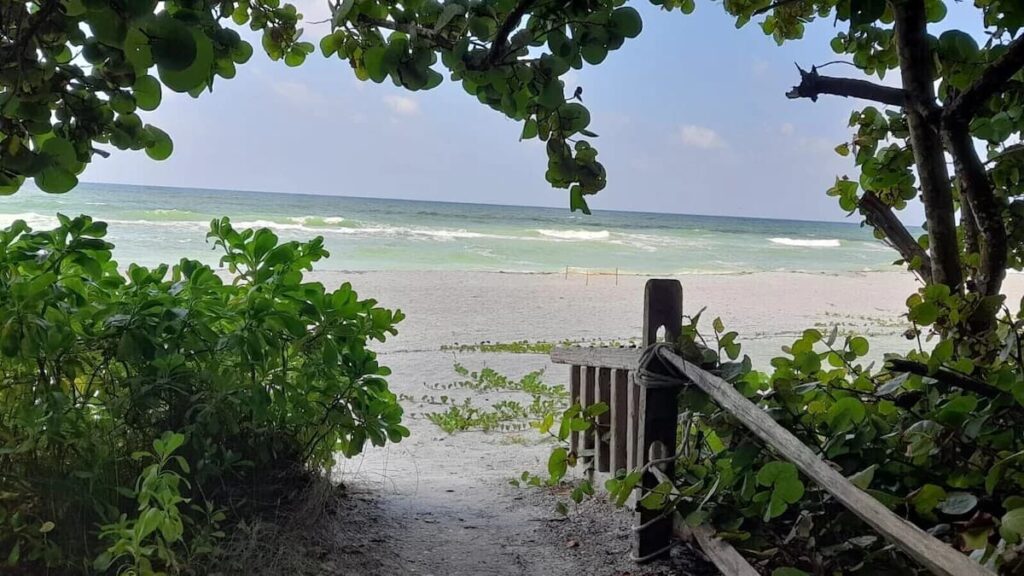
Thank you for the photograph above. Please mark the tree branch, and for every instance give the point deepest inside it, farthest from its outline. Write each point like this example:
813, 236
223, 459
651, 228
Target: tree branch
773, 6
944, 375
420, 31
813, 85
916, 62
497, 53
976, 191
881, 216
969, 225
993, 80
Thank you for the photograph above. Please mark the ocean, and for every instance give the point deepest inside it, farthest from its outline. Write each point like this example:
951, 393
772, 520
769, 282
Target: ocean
152, 225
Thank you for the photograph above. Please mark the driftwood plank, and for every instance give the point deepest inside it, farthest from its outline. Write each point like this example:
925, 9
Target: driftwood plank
619, 358
601, 433
619, 419
728, 561
930, 552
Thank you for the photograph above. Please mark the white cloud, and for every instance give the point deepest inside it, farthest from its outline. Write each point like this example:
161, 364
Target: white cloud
700, 137
300, 95
787, 129
402, 105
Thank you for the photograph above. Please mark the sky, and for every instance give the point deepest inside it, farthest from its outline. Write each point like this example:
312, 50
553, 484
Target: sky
692, 118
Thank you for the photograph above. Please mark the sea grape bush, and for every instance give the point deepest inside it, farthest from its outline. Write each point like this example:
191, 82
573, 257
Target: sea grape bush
137, 403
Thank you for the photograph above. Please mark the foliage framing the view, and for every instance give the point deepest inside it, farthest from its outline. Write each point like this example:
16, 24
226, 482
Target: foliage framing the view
257, 378
76, 73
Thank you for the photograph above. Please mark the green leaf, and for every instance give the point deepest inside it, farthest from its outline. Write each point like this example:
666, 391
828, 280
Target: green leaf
451, 10
846, 412
958, 503
56, 180
576, 200
147, 92
173, 44
341, 14
863, 478
558, 463
1012, 525
865, 11
925, 313
160, 146
627, 21
859, 345
197, 73
927, 498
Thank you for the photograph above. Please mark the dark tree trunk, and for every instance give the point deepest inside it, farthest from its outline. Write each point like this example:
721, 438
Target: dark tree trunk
925, 138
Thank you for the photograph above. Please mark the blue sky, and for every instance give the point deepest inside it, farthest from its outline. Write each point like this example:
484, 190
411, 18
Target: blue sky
692, 118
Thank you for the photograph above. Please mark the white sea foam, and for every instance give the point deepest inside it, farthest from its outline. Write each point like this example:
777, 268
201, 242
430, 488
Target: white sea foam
807, 242
575, 234
317, 220
36, 221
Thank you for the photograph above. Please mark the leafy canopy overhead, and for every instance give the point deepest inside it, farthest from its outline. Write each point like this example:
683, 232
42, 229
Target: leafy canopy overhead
77, 73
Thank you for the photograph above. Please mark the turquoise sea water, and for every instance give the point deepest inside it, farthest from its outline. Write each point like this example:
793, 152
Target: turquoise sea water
150, 225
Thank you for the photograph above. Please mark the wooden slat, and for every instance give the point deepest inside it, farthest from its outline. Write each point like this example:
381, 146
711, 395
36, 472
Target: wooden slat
574, 396
621, 358
619, 419
601, 439
588, 398
930, 552
658, 417
633, 416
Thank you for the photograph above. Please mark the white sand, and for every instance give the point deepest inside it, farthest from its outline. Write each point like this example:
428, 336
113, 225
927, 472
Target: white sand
767, 309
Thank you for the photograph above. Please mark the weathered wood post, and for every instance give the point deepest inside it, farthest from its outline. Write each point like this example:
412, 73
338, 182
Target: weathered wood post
658, 413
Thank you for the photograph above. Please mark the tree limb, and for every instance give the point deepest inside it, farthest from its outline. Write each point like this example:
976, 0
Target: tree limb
944, 375
969, 225
813, 85
510, 23
420, 31
976, 191
881, 216
993, 80
774, 5
916, 61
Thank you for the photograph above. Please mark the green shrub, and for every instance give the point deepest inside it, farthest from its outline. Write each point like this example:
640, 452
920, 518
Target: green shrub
259, 376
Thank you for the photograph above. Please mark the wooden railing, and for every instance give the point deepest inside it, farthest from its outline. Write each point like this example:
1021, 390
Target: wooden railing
639, 431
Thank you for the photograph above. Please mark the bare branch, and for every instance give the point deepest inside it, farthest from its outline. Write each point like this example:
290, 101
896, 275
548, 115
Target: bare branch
881, 216
813, 85
992, 81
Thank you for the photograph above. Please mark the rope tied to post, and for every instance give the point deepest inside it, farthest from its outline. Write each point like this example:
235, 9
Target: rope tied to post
648, 378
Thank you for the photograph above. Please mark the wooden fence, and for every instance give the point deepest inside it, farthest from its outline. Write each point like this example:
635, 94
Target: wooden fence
639, 431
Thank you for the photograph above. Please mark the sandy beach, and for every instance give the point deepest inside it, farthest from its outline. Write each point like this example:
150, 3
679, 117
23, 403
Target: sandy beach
434, 487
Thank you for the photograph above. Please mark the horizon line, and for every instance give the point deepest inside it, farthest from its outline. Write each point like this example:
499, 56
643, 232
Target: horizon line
493, 204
